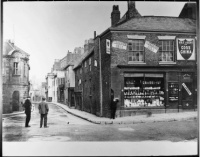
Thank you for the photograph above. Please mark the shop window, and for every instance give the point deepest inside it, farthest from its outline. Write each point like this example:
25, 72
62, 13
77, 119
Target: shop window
166, 50
143, 90
136, 50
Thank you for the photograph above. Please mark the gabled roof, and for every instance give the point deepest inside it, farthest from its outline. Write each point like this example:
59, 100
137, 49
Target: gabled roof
158, 23
83, 57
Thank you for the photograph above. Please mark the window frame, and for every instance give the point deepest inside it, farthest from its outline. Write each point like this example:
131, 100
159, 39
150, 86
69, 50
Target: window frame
161, 51
16, 68
136, 46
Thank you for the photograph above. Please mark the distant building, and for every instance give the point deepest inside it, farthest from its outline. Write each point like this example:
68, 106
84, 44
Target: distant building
70, 76
15, 73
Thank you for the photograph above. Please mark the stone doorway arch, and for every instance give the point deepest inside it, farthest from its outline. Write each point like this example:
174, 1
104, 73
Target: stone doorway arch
15, 101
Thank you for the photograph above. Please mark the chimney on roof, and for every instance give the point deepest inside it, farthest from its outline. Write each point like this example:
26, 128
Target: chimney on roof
132, 11
94, 34
115, 15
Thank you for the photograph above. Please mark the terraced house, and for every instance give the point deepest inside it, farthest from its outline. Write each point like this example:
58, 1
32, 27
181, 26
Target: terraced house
148, 62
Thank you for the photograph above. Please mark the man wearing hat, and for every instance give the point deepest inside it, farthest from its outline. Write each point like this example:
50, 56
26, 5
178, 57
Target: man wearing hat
27, 106
43, 110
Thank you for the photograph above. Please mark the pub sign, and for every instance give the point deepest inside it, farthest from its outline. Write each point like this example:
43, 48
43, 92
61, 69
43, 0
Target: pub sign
185, 49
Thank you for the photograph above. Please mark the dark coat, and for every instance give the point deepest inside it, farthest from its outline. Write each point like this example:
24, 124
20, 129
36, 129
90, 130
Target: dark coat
27, 106
113, 105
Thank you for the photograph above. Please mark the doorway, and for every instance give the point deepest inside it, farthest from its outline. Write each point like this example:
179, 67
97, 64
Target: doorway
15, 101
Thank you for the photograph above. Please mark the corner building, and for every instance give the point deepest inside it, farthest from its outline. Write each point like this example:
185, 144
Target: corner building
148, 62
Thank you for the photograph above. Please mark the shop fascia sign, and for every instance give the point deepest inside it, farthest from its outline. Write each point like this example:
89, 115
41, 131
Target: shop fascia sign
185, 49
151, 47
119, 45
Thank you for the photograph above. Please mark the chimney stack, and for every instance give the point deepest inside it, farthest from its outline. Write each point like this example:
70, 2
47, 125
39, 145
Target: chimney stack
132, 11
94, 34
115, 15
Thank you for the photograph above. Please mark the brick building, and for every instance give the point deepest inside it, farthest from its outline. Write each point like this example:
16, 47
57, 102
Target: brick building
85, 98
150, 63
15, 74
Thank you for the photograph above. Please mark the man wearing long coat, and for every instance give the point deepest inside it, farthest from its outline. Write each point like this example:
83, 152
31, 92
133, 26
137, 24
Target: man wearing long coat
43, 110
27, 106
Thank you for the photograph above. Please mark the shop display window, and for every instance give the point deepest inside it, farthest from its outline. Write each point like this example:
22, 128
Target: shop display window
144, 90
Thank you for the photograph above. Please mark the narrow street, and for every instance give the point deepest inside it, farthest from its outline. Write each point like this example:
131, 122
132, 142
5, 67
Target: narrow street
66, 127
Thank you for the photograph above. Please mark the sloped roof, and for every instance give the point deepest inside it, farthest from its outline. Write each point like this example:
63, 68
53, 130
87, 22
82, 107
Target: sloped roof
82, 58
158, 23
9, 48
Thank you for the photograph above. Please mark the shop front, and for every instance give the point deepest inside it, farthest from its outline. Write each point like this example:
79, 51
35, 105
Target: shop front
160, 91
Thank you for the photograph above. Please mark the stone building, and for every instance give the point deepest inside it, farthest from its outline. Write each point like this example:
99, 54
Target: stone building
148, 62
15, 74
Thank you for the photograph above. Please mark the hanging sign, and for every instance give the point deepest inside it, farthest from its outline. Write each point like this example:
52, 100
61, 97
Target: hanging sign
119, 45
151, 47
107, 46
186, 88
185, 49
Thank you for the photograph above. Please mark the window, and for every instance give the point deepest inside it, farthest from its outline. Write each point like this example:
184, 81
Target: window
16, 68
166, 50
85, 64
136, 50
80, 70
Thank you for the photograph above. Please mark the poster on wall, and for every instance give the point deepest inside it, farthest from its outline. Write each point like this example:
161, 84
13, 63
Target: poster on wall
185, 49
151, 47
119, 45
107, 46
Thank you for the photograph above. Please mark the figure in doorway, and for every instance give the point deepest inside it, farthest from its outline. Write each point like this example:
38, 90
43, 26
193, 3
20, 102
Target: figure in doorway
114, 107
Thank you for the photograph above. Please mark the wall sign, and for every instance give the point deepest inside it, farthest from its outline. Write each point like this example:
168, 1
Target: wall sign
186, 88
151, 47
185, 49
107, 46
173, 91
119, 45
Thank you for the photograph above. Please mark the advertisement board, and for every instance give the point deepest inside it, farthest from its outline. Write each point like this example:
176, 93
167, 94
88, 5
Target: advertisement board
185, 49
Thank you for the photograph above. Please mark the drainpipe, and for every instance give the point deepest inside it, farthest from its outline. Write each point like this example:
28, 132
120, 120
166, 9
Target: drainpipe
100, 79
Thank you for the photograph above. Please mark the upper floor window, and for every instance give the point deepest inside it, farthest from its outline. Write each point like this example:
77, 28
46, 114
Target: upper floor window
85, 64
166, 50
16, 68
136, 50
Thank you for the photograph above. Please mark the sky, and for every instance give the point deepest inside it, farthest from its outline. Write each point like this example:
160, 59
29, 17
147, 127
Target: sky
48, 30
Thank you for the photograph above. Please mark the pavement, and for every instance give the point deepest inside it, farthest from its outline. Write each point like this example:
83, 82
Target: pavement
164, 117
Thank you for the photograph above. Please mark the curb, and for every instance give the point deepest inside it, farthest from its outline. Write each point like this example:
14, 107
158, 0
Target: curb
126, 122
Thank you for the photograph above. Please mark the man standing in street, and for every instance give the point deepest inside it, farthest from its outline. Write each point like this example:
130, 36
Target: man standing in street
43, 110
27, 106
